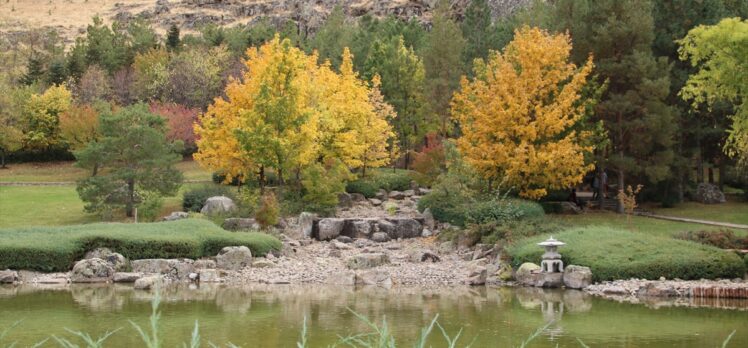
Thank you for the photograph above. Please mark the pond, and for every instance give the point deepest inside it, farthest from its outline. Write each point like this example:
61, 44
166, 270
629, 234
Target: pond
273, 316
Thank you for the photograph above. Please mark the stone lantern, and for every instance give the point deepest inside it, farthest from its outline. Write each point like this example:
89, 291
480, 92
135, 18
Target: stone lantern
551, 258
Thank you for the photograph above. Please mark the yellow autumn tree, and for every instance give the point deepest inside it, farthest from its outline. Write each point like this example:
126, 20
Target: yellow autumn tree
381, 141
518, 115
288, 112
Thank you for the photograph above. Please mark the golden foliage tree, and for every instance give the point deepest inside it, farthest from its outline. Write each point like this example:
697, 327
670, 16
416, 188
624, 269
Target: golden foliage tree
288, 112
519, 115
42, 117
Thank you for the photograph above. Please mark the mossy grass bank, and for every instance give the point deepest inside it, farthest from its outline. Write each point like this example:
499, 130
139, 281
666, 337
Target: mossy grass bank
619, 254
57, 248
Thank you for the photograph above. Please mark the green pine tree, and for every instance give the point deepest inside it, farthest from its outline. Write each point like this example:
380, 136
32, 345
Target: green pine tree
173, 42
332, 37
476, 28
34, 70
134, 159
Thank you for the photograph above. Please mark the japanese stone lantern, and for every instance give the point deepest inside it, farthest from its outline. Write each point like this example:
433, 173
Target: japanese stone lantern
551, 258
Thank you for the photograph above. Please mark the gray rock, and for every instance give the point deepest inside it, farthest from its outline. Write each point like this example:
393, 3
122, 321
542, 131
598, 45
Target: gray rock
577, 277
340, 246
8, 277
240, 224
208, 275
405, 228
657, 289
396, 195
116, 260
149, 282
381, 195
426, 233
428, 219
358, 228
176, 215
330, 228
424, 256
504, 271
477, 275
347, 278
375, 202
526, 273
344, 239
204, 263
375, 277
345, 200
126, 277
234, 258
409, 193
423, 191
263, 264
549, 280
174, 268
357, 197
218, 205
368, 260
92, 270
380, 237
709, 194
306, 224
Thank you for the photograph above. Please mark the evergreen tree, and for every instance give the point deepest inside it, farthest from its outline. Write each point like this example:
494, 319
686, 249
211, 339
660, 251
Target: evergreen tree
173, 42
476, 28
640, 124
332, 37
56, 74
402, 76
134, 158
34, 70
442, 62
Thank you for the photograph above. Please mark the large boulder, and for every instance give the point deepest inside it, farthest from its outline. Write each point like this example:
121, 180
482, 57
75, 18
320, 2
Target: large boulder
404, 228
234, 258
306, 224
116, 260
376, 277
368, 260
149, 282
477, 275
8, 277
344, 200
92, 270
527, 273
549, 280
358, 228
569, 208
396, 195
173, 268
330, 228
428, 219
504, 271
577, 277
709, 194
126, 277
240, 224
177, 215
218, 205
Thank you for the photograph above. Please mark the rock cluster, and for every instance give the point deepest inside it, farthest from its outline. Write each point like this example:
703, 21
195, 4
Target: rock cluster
640, 288
709, 194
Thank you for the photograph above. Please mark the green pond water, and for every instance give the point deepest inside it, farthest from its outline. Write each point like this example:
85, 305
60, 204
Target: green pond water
273, 316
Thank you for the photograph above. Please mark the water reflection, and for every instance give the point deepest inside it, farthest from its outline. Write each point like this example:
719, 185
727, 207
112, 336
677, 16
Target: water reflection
494, 316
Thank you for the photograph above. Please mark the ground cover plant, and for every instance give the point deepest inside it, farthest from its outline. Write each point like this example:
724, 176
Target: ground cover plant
57, 248
381, 179
619, 254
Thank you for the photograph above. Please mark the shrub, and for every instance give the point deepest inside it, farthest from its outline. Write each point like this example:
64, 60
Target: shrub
55, 249
269, 212
512, 231
617, 254
151, 207
322, 184
362, 186
220, 178
501, 210
389, 180
194, 199
724, 239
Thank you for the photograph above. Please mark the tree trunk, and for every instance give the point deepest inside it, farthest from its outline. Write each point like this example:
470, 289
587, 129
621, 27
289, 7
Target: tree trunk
710, 170
262, 179
130, 198
721, 172
2, 160
621, 183
95, 169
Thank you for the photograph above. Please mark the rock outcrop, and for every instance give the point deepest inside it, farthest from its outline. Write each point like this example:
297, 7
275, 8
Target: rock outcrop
93, 270
218, 205
234, 258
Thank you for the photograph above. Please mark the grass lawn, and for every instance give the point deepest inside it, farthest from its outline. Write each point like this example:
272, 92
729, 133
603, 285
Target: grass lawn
56, 248
22, 206
66, 171
732, 212
620, 254
644, 225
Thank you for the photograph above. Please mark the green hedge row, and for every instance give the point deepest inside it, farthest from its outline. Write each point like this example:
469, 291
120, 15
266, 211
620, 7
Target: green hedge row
618, 254
381, 179
55, 249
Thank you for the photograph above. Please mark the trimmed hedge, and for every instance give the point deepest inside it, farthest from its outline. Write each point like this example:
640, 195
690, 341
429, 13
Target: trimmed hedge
618, 254
55, 249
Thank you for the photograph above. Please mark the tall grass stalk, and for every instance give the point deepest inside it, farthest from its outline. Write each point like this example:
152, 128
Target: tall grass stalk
151, 339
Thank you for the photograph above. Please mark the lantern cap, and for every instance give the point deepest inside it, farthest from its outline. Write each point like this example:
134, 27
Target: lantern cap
551, 242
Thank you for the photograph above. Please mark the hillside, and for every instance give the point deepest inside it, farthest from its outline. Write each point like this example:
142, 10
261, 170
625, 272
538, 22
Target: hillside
70, 17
